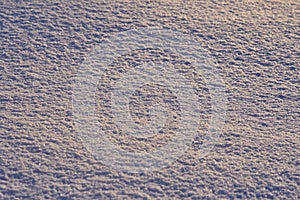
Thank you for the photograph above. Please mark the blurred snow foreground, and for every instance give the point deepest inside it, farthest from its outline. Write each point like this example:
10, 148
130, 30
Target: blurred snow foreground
91, 71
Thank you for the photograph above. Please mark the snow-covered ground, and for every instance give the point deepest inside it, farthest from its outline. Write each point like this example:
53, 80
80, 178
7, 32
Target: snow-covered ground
256, 49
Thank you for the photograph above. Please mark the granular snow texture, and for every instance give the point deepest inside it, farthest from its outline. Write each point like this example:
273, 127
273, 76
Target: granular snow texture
256, 48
